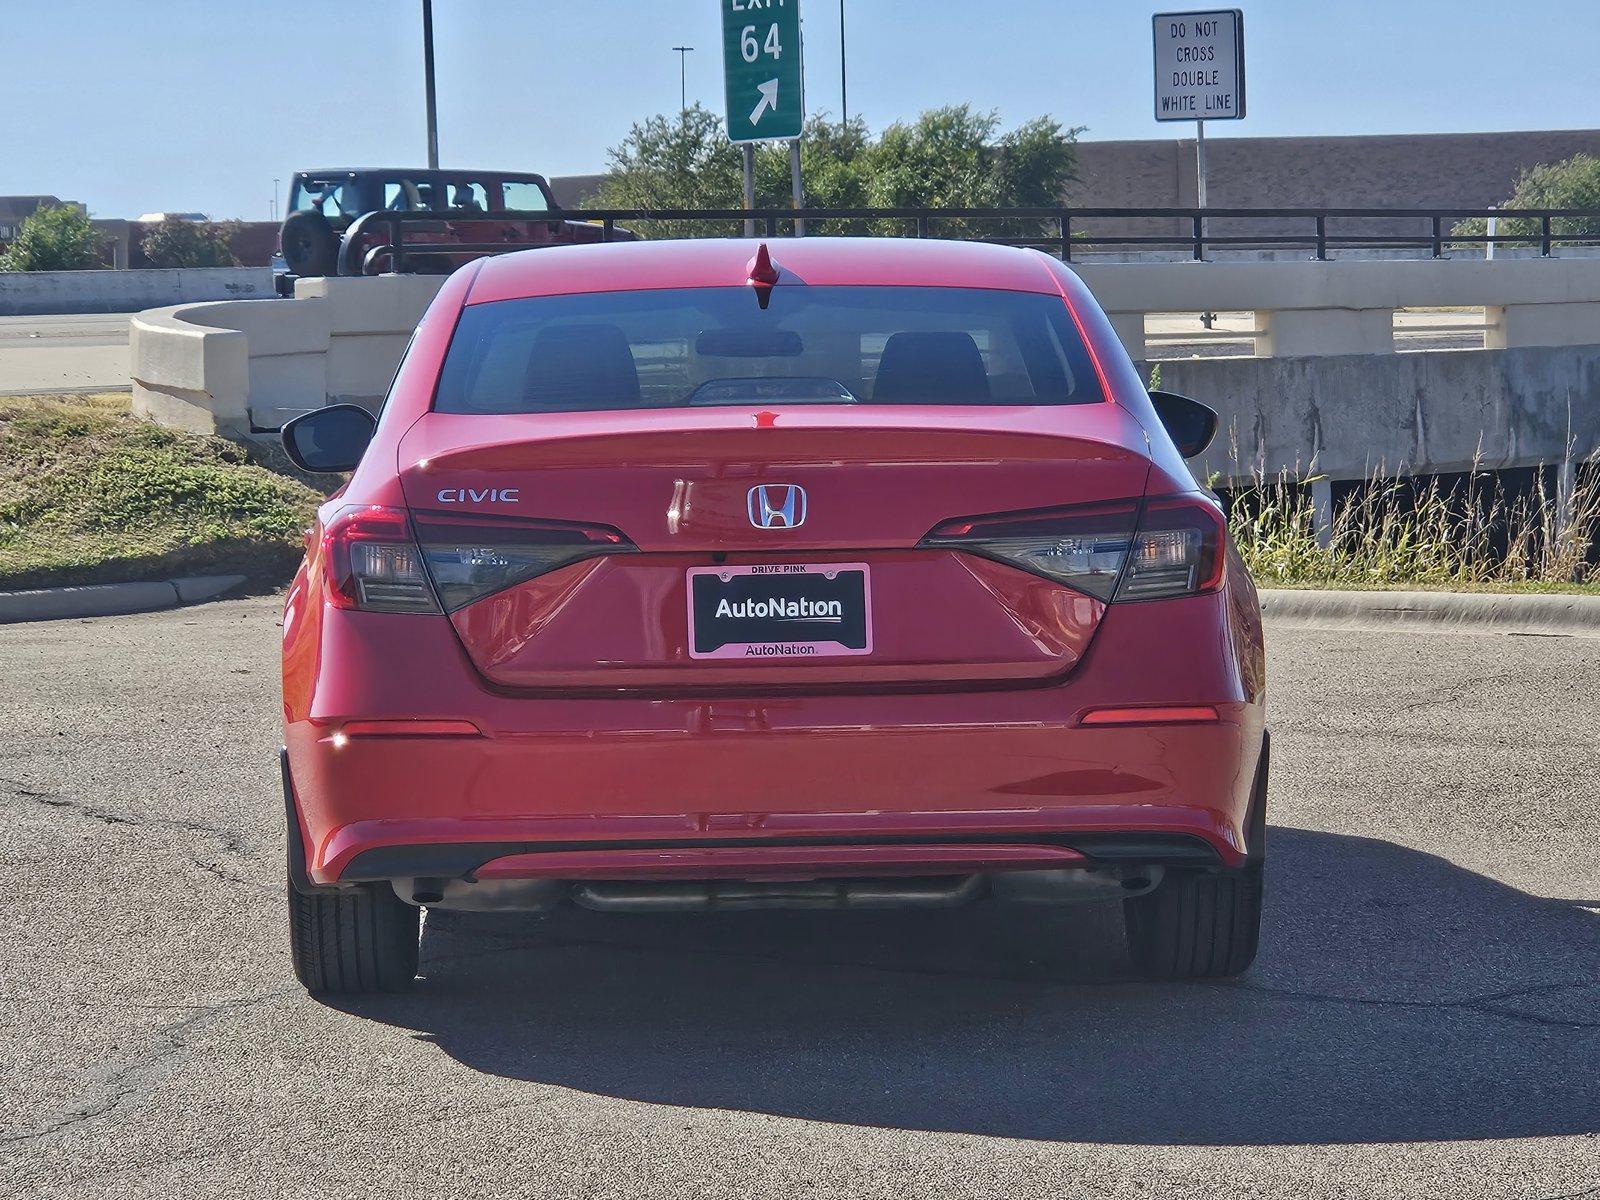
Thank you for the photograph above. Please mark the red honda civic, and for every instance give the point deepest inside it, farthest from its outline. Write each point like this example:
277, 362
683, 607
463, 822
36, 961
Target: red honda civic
823, 573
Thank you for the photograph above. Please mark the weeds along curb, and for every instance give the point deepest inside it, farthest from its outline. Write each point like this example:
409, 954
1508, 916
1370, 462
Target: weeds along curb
111, 599
1476, 612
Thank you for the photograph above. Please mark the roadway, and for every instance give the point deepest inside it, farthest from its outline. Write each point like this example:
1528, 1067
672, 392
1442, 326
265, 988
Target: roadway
64, 353
1183, 335
1422, 1021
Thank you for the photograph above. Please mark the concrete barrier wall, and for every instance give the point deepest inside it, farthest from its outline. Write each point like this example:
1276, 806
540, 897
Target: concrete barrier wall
1327, 393
1346, 416
248, 366
26, 293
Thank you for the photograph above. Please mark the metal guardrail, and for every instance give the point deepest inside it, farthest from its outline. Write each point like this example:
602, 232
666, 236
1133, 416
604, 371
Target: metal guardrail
1061, 231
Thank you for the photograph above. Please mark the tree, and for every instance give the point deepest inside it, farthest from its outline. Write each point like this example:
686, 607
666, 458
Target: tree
179, 243
1572, 183
59, 238
950, 157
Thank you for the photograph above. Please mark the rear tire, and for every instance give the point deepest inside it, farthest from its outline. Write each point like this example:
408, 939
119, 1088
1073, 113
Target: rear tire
1196, 926
1206, 926
310, 246
364, 939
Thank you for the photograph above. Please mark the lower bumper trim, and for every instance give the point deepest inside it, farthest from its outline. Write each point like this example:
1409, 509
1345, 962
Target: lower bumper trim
462, 860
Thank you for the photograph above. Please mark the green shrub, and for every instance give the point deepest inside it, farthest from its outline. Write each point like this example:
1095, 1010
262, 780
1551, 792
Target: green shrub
178, 243
1572, 183
59, 238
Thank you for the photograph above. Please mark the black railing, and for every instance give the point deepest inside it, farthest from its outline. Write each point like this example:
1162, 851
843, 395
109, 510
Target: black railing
1066, 232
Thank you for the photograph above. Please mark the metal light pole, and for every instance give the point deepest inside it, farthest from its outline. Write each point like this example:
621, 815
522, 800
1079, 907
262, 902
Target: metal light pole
274, 205
683, 76
427, 71
844, 79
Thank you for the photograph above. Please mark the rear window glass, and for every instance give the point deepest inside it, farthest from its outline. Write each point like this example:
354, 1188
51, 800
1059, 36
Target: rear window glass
707, 347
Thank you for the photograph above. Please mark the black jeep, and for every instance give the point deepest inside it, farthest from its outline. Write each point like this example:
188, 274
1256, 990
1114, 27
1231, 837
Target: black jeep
347, 221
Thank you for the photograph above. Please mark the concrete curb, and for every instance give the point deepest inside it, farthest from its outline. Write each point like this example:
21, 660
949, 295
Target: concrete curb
1479, 612
111, 599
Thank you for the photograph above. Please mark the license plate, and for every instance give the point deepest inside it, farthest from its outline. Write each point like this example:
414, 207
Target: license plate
780, 611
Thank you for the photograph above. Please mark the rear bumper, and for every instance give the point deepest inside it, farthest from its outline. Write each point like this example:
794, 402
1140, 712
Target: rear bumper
775, 858
813, 786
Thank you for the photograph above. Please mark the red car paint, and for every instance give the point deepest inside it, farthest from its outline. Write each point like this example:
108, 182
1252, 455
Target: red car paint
965, 741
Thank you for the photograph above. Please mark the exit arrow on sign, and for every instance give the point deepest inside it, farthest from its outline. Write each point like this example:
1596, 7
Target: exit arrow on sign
769, 99
762, 71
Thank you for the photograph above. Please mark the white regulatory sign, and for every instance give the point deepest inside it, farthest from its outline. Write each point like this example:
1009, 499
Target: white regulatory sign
1200, 65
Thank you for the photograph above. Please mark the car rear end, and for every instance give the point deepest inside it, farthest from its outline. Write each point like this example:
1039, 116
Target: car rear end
822, 585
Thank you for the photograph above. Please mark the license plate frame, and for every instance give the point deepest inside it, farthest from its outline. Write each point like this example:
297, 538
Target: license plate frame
823, 582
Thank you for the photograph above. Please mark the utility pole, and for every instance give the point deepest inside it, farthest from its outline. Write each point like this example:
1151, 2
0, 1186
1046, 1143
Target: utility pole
683, 76
427, 70
844, 78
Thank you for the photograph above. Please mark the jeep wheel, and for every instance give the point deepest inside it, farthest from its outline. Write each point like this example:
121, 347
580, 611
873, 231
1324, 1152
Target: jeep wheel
310, 246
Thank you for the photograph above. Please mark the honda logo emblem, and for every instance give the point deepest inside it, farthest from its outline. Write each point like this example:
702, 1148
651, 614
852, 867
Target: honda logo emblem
777, 506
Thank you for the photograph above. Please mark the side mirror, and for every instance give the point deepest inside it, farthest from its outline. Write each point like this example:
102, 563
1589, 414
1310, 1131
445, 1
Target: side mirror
1190, 424
329, 440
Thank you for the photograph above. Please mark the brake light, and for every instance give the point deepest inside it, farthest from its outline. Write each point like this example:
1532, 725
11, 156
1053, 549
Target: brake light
469, 556
372, 562
1110, 551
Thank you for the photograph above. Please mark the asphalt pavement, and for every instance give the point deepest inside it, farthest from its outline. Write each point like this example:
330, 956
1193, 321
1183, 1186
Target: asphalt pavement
1422, 1020
64, 353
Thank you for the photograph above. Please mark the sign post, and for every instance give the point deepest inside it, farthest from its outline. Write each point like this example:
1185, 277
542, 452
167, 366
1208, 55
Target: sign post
1199, 59
764, 82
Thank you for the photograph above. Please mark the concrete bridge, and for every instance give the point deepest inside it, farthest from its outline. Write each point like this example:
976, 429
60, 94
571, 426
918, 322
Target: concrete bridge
1327, 391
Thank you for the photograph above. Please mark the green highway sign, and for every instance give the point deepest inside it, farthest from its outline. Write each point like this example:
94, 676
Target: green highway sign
761, 69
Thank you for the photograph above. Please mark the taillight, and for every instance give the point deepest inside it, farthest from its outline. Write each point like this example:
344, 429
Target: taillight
470, 556
1111, 551
1178, 551
1084, 548
372, 562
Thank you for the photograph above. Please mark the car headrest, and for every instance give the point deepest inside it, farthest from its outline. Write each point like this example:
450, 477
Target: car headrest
931, 368
581, 367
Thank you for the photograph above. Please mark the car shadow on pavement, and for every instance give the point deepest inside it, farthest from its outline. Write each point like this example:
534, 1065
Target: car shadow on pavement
1397, 998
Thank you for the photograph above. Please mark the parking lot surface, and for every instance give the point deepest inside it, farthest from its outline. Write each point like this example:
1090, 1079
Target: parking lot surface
1423, 1020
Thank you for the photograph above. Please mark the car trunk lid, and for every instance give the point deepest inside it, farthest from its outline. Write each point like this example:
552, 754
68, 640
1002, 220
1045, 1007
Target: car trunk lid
804, 506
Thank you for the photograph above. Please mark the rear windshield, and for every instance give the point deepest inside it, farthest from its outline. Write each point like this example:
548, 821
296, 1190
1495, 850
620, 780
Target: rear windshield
706, 347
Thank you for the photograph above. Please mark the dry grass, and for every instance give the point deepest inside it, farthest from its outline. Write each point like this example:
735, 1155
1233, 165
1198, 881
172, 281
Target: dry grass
1398, 533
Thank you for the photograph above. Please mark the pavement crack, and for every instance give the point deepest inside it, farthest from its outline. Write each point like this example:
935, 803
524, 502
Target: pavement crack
1483, 1005
1456, 691
231, 840
135, 1075
1594, 1191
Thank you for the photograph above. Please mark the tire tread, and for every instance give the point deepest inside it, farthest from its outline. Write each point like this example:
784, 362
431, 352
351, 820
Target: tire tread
361, 940
1197, 926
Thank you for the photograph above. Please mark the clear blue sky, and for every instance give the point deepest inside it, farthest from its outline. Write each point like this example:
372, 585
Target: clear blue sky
139, 105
